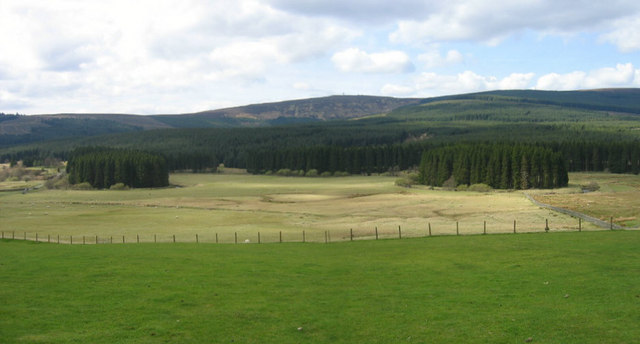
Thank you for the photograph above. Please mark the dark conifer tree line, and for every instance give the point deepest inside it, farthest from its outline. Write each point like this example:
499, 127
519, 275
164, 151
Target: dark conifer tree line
501, 166
104, 167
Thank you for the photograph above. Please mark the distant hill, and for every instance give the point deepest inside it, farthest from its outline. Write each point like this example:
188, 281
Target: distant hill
37, 128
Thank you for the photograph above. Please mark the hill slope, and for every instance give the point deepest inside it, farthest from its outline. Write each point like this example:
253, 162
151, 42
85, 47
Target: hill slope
26, 129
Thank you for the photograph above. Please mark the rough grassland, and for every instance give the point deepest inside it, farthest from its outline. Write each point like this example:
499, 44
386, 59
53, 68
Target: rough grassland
618, 197
551, 288
207, 204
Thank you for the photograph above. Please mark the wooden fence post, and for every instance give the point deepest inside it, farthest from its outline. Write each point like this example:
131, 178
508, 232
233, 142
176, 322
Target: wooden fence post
457, 230
123, 239
137, 238
111, 240
376, 232
174, 238
351, 233
96, 240
197, 240
48, 238
304, 236
58, 238
546, 225
485, 228
36, 236
13, 235
611, 223
259, 238
236, 237
216, 238
281, 237
579, 224
71, 239
429, 228
399, 233
155, 239
514, 226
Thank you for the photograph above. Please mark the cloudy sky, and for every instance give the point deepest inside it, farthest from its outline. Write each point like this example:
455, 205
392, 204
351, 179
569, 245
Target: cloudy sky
176, 56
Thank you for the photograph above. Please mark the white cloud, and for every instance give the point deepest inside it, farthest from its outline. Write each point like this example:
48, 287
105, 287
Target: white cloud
625, 35
433, 58
477, 20
620, 76
356, 60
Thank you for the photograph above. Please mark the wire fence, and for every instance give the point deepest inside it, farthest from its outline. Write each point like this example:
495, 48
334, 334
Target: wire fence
314, 236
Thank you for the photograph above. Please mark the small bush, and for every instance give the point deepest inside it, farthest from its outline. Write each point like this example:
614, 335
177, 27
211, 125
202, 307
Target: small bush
591, 187
341, 174
326, 174
268, 172
403, 182
480, 188
450, 183
83, 186
301, 173
462, 187
312, 173
119, 186
284, 172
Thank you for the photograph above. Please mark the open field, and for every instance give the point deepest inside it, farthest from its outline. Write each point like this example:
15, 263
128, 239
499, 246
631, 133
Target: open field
618, 196
549, 288
210, 204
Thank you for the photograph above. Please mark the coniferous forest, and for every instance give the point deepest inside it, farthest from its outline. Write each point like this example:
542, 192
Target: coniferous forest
103, 168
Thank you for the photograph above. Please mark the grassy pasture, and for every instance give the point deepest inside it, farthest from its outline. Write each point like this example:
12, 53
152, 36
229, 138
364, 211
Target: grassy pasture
543, 288
618, 197
206, 204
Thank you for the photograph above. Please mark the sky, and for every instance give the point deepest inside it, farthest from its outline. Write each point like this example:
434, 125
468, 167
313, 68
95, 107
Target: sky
180, 56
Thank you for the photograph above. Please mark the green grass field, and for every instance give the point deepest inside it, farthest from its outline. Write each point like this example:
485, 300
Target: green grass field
544, 288
210, 204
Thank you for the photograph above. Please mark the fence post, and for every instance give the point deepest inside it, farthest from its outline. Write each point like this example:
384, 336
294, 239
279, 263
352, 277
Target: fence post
351, 233
71, 239
399, 233
197, 240
546, 226
236, 237
259, 238
174, 238
611, 223
111, 240
457, 230
514, 226
155, 239
376, 232
48, 238
485, 228
304, 236
579, 224
429, 228
58, 238
137, 238
216, 238
36, 236
123, 239
96, 239
281, 237
83, 242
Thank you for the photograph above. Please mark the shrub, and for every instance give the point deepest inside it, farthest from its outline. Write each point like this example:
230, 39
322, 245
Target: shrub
403, 182
312, 173
119, 186
591, 187
479, 188
301, 173
284, 172
325, 174
83, 186
341, 174
450, 183
462, 187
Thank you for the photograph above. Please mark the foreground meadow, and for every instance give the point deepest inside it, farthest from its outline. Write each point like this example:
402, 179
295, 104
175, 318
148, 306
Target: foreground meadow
220, 205
540, 288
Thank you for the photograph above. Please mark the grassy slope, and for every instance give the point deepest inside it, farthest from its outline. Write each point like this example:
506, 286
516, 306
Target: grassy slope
553, 288
208, 204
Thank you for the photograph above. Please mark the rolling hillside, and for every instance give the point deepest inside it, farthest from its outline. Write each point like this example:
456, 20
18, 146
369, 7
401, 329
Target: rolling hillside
17, 130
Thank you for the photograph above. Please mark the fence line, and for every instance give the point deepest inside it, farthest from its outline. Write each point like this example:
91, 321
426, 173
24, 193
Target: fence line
305, 236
